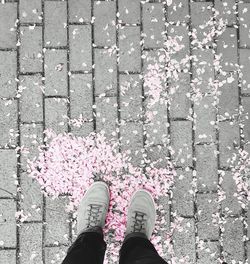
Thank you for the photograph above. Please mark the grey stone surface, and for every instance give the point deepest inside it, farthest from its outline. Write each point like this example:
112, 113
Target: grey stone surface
31, 49
178, 11
8, 222
130, 50
8, 122
129, 11
55, 14
31, 98
30, 11
56, 72
55, 255
208, 253
245, 64
79, 11
206, 166
80, 47
31, 243
227, 10
244, 19
104, 25
8, 256
8, 68
8, 16
246, 128
153, 25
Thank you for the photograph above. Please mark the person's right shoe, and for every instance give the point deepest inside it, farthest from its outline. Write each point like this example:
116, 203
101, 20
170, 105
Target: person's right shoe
141, 214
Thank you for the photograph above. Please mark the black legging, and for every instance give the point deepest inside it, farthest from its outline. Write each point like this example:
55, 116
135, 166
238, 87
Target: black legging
89, 248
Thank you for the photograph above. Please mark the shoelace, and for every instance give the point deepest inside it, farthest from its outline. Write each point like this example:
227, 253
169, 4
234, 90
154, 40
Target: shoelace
139, 222
94, 211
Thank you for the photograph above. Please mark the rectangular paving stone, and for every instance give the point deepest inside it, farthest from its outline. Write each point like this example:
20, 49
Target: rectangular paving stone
179, 34
31, 99
244, 19
30, 11
55, 213
201, 13
157, 155
106, 115
8, 172
56, 114
82, 130
32, 199
8, 256
227, 46
31, 49
56, 72
31, 243
130, 96
245, 63
8, 66
206, 166
203, 71
246, 129
104, 25
105, 72
79, 11
229, 139
132, 140
8, 122
180, 104
80, 47
152, 59
81, 96
8, 222
232, 240
55, 33
55, 255
31, 138
129, 49
208, 253
153, 20
230, 204
184, 240
205, 117
229, 97
181, 142
157, 124
8, 16
178, 11
227, 10
207, 207
183, 200
129, 11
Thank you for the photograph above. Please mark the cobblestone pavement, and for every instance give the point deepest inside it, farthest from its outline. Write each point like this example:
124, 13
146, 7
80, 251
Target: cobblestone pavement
59, 58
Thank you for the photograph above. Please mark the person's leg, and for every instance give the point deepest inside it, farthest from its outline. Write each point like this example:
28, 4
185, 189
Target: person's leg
89, 247
136, 248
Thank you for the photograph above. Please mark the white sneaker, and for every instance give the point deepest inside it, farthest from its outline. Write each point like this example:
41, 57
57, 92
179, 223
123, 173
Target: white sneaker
141, 214
93, 208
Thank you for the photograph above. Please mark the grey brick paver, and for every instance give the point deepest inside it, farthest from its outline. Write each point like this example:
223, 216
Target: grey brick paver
55, 23
31, 243
30, 11
129, 11
80, 48
8, 256
206, 166
246, 112
207, 208
129, 49
227, 10
8, 222
105, 72
8, 67
8, 16
178, 11
244, 20
79, 11
55, 255
31, 49
153, 25
56, 72
245, 65
31, 99
208, 253
104, 25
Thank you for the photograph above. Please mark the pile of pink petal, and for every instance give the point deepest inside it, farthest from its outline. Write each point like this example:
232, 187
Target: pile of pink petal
241, 175
69, 165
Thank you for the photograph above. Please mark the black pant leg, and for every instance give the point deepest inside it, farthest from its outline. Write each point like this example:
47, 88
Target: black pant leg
139, 250
89, 248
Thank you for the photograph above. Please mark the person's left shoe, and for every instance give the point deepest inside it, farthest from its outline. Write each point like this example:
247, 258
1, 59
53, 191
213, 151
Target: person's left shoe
93, 208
